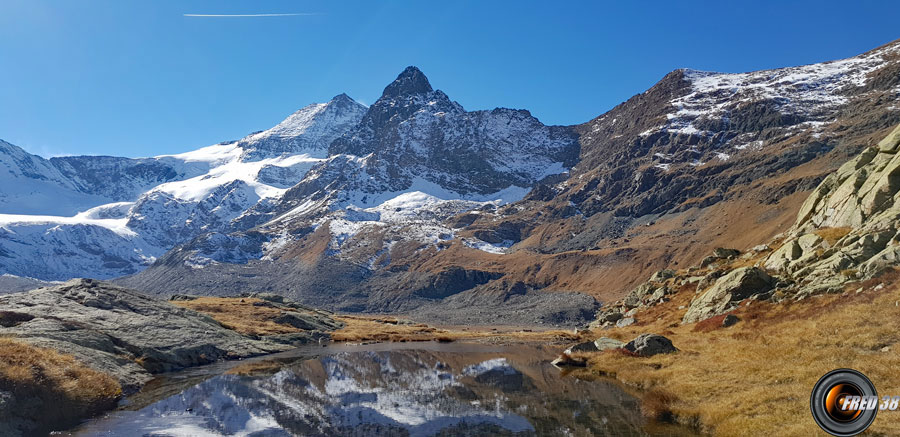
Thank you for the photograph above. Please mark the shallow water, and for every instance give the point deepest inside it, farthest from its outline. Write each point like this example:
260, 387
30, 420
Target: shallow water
421, 389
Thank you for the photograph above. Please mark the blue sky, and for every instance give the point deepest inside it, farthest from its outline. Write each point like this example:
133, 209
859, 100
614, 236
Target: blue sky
135, 78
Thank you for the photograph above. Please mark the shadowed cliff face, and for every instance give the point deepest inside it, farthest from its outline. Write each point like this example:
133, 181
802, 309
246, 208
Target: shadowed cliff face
403, 392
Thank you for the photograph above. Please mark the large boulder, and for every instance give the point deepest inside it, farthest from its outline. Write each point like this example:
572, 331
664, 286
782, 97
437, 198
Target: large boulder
601, 344
606, 343
628, 321
647, 345
727, 292
587, 346
781, 258
648, 293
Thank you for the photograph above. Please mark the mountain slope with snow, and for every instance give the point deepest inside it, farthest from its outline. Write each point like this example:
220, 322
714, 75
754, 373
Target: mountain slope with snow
105, 217
415, 201
699, 160
415, 159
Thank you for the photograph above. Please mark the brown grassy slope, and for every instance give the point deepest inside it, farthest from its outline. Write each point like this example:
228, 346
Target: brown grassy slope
616, 266
53, 389
248, 316
755, 378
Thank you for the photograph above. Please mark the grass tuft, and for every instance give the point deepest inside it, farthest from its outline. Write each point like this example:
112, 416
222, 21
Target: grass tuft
53, 389
248, 316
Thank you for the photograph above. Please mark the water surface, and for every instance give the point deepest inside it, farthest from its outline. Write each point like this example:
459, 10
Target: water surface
422, 389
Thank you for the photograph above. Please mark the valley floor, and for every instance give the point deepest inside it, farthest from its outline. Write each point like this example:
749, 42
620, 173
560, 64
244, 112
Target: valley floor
755, 377
256, 317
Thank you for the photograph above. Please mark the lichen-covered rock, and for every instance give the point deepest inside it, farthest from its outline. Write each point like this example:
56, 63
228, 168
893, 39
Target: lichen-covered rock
587, 346
606, 343
781, 258
891, 142
662, 275
610, 316
724, 253
628, 321
727, 292
719, 254
709, 279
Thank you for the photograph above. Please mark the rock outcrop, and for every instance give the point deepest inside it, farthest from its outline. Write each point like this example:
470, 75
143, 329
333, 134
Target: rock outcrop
120, 331
644, 345
848, 227
599, 345
728, 291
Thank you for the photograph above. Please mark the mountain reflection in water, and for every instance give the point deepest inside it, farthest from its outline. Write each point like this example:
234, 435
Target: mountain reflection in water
443, 390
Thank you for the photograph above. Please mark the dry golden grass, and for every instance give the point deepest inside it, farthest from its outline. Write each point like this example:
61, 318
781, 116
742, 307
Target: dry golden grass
755, 378
361, 329
365, 329
832, 235
240, 314
66, 389
248, 317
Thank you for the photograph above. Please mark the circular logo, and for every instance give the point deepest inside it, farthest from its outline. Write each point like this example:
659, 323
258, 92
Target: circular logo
844, 402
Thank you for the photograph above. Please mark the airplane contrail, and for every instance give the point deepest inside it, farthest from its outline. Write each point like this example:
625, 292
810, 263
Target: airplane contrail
248, 15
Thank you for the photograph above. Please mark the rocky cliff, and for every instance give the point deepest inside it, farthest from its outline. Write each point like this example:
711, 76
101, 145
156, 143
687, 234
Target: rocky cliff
848, 228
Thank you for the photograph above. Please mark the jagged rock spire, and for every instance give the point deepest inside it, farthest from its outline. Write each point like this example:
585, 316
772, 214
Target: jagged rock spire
410, 82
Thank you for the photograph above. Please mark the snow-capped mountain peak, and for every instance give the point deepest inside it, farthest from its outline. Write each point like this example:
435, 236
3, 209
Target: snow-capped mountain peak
309, 130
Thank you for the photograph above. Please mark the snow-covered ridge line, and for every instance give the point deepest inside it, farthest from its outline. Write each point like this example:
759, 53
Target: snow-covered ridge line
806, 97
116, 225
802, 89
200, 191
